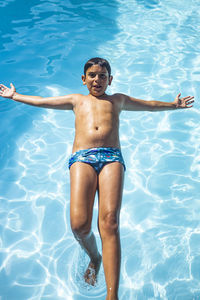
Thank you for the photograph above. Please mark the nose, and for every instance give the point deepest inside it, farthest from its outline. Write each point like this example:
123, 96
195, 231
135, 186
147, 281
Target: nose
97, 77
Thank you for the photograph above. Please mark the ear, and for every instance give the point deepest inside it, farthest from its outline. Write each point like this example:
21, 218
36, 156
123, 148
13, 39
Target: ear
110, 80
83, 79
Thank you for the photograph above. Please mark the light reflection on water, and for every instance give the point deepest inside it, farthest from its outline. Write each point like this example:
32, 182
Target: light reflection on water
154, 52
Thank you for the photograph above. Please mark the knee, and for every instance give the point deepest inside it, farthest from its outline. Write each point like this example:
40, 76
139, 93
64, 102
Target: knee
109, 223
80, 226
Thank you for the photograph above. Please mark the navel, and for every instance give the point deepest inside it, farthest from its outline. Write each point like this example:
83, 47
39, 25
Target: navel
97, 128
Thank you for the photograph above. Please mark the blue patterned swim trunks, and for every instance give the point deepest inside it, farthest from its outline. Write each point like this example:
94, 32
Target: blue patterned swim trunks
97, 157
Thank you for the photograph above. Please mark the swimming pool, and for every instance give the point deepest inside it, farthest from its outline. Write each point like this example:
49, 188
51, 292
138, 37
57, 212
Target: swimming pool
153, 47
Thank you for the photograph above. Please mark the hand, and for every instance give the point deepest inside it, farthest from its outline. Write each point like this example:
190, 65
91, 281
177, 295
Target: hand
184, 102
7, 92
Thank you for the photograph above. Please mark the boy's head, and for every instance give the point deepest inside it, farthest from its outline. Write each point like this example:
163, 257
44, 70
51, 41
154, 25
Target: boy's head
97, 76
97, 61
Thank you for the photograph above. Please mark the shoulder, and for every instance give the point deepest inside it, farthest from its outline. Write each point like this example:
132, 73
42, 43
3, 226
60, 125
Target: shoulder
76, 98
119, 99
80, 101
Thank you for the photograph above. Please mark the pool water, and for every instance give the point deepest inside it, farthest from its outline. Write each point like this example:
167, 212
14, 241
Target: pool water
154, 50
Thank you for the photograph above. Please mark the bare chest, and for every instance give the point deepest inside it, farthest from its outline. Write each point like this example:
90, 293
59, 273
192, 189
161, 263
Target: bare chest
97, 115
100, 109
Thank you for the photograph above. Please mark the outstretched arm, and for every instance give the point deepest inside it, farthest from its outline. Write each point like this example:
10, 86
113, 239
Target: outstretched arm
133, 104
60, 102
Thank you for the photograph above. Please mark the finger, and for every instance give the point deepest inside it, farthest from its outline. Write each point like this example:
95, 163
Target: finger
190, 99
189, 102
178, 96
2, 86
187, 97
13, 88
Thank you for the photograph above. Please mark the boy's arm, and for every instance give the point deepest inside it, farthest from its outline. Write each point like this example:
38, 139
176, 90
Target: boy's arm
133, 104
60, 102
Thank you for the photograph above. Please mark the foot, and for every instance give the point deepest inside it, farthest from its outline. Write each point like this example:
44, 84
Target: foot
92, 271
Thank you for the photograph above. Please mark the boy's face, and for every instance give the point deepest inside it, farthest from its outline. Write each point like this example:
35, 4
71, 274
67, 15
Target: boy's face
97, 80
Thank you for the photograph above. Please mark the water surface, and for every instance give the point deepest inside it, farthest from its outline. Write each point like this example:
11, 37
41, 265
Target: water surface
153, 47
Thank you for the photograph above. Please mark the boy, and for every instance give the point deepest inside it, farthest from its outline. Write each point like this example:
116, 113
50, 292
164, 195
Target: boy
96, 163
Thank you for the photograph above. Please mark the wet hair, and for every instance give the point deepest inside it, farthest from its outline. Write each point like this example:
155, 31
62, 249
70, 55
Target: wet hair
97, 61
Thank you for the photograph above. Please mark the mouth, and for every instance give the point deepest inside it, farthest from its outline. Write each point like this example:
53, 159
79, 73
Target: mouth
97, 86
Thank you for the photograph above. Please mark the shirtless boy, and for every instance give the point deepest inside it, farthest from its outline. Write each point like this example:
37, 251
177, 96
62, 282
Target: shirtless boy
96, 163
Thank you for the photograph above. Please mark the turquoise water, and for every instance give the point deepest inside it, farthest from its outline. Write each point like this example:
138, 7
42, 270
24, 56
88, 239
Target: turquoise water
154, 50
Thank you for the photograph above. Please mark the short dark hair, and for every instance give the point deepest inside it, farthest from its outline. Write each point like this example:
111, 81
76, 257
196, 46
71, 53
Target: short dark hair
97, 61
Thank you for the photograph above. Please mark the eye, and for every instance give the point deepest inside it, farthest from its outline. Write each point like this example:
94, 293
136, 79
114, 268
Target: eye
92, 75
102, 76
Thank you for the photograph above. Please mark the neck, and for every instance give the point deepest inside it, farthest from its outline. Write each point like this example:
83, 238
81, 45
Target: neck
98, 97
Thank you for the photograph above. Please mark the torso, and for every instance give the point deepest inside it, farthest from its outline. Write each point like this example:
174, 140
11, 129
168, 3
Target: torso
97, 122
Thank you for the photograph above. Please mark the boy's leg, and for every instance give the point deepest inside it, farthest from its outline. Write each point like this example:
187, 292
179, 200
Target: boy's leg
110, 196
83, 181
